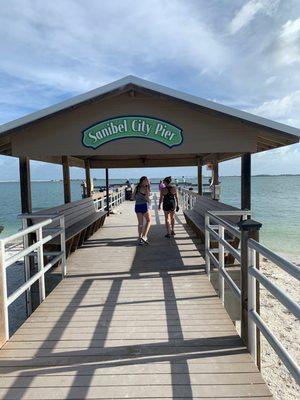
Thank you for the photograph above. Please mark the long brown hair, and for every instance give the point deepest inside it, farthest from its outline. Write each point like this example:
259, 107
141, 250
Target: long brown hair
140, 182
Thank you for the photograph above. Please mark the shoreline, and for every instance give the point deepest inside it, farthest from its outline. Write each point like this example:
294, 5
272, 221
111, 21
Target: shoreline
122, 179
284, 326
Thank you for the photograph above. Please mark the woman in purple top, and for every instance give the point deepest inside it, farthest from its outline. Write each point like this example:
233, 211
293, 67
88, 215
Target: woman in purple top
161, 186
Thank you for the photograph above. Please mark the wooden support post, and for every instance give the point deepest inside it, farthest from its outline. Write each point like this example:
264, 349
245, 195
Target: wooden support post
25, 185
32, 296
88, 177
107, 191
199, 170
215, 179
249, 230
246, 181
66, 177
215, 172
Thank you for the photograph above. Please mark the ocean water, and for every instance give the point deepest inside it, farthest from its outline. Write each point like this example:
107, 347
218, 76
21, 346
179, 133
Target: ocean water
275, 203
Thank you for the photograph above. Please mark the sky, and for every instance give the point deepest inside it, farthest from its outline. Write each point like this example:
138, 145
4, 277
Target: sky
242, 53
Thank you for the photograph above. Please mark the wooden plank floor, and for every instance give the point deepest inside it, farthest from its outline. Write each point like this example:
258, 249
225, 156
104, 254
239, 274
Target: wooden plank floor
131, 322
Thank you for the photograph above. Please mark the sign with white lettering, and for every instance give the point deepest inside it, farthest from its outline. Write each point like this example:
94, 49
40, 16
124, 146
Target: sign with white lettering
132, 126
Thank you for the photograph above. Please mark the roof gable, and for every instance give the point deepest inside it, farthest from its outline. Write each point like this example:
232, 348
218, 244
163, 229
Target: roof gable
130, 82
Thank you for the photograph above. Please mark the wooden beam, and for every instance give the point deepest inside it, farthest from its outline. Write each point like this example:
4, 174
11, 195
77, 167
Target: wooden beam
66, 178
215, 172
107, 191
32, 296
199, 174
142, 162
88, 177
25, 185
246, 181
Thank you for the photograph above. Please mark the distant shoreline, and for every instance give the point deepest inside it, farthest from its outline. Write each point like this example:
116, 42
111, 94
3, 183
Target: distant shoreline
187, 177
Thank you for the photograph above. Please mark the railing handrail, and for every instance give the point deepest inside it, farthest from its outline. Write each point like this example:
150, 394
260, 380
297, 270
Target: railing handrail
252, 247
278, 293
280, 261
215, 215
28, 250
28, 230
54, 215
116, 198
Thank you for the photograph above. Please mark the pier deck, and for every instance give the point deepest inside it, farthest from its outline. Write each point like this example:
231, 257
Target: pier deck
131, 322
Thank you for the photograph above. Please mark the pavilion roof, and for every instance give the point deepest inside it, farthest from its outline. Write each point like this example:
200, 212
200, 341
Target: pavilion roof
270, 134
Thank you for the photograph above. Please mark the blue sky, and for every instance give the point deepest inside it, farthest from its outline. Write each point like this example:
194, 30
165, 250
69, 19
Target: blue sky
245, 54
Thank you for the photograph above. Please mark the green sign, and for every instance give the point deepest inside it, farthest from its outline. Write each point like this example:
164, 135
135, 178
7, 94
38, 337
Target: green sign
132, 126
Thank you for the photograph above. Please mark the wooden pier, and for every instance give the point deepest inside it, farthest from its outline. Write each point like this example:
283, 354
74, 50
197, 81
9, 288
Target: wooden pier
131, 322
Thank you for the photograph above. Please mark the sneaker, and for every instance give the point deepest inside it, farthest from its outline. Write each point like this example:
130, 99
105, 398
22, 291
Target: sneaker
167, 236
144, 240
173, 233
140, 242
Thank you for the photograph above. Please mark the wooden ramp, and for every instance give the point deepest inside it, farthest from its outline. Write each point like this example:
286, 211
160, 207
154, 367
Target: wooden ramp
131, 322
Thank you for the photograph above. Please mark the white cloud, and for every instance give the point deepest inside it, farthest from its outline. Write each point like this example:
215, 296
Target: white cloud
55, 49
270, 80
285, 109
249, 10
80, 47
289, 43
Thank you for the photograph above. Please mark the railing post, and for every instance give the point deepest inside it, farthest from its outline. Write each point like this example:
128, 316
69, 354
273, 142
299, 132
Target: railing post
252, 331
207, 246
27, 267
4, 324
249, 229
40, 260
221, 262
63, 247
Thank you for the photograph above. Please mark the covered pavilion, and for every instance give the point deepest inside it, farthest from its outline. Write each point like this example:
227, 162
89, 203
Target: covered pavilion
185, 130
133, 322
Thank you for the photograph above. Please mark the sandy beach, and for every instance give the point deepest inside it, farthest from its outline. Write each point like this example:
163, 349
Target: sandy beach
286, 328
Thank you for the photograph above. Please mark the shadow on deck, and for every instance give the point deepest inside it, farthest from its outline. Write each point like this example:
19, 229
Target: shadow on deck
131, 322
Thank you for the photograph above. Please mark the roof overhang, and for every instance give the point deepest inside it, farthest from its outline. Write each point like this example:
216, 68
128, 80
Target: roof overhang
223, 132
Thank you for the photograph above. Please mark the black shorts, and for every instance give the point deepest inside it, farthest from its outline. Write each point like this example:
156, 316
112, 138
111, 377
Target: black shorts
169, 207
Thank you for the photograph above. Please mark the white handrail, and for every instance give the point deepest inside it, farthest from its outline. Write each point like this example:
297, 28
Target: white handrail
281, 262
285, 300
26, 231
252, 247
218, 233
29, 250
116, 198
289, 362
254, 319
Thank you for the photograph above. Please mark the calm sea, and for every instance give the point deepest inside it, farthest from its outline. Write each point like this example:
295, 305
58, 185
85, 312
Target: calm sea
275, 203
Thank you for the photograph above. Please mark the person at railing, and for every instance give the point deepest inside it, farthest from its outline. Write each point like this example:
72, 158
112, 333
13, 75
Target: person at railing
141, 195
169, 200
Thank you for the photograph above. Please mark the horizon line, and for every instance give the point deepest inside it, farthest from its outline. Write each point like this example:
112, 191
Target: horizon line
121, 179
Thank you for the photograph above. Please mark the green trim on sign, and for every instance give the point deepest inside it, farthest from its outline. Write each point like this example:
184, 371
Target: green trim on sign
132, 126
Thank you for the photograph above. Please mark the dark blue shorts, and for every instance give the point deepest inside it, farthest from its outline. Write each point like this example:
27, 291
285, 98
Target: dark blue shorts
141, 208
